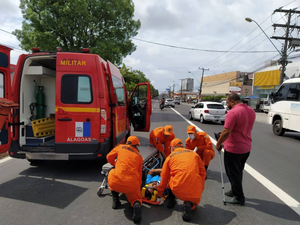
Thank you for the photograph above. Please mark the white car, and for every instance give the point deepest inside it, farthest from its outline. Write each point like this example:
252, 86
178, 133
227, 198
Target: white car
208, 111
169, 102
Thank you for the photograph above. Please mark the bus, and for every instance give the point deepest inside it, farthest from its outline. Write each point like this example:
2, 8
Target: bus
284, 114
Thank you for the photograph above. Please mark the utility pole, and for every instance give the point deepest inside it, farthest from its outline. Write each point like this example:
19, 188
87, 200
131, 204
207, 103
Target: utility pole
293, 41
201, 83
173, 89
181, 88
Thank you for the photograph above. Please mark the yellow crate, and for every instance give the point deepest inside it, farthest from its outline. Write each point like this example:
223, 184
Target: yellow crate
43, 127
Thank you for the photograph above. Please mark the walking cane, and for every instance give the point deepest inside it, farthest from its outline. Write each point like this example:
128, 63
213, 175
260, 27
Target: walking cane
217, 136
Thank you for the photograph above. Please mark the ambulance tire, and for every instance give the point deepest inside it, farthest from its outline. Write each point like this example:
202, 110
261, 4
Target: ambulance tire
100, 191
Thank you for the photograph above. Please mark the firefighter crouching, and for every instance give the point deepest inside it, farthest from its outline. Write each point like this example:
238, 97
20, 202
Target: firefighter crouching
162, 136
184, 173
126, 177
202, 141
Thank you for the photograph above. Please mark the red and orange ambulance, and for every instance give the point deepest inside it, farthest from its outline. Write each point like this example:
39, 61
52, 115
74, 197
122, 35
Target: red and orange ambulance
85, 109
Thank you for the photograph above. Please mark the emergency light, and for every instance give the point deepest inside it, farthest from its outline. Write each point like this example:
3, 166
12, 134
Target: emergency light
85, 50
35, 49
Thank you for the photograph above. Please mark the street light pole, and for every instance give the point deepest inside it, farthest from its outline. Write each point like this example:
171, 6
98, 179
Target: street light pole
283, 59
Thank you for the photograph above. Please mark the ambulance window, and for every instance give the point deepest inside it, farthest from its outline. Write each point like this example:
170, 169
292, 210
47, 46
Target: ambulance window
118, 86
76, 89
1, 85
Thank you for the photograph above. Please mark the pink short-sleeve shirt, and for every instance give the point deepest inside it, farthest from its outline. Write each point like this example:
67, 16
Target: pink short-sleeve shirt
240, 120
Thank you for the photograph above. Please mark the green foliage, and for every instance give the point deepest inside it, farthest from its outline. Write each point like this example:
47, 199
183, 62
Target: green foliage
133, 77
213, 98
106, 27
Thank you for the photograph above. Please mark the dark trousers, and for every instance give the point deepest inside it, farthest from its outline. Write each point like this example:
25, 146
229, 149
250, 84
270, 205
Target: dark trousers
234, 166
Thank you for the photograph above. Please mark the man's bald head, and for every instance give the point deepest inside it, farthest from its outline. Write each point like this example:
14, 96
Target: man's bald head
233, 99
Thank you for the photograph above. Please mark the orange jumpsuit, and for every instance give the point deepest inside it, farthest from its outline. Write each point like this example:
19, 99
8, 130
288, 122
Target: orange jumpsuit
185, 174
157, 139
126, 177
205, 148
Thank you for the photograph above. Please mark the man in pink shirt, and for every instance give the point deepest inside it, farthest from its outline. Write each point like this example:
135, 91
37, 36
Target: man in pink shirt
236, 138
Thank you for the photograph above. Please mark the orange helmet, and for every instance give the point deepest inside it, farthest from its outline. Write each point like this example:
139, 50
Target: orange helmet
176, 142
133, 140
168, 130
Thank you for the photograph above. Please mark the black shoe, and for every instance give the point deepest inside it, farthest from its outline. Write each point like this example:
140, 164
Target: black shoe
187, 212
116, 201
116, 204
235, 201
229, 193
171, 203
137, 212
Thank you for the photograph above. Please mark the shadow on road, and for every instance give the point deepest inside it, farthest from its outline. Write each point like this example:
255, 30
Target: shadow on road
67, 170
273, 209
41, 191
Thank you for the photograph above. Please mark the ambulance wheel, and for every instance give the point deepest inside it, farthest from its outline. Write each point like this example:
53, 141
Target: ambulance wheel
100, 191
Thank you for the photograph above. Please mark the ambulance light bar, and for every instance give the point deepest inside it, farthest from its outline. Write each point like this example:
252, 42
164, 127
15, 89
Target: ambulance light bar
85, 50
35, 49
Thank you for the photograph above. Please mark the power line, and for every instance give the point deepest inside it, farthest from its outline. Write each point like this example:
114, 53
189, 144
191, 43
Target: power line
196, 49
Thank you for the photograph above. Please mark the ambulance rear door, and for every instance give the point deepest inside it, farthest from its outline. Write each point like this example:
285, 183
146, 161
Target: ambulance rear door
5, 92
119, 100
77, 124
140, 107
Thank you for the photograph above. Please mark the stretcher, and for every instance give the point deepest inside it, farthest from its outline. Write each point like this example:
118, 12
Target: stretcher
151, 160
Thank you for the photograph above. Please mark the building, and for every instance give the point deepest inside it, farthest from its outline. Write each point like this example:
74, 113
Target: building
267, 80
225, 83
187, 84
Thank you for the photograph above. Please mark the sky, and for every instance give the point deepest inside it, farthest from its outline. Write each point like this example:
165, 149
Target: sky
177, 37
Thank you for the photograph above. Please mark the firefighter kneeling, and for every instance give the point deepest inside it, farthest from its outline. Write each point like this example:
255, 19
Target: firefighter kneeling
202, 141
126, 177
184, 173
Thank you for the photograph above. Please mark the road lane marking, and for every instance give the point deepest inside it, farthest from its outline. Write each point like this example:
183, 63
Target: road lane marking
283, 196
5, 159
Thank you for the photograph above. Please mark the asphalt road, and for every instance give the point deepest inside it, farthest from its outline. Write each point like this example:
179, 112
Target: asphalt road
65, 192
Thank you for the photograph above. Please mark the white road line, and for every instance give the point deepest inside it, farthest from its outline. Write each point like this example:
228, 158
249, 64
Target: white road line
5, 159
283, 196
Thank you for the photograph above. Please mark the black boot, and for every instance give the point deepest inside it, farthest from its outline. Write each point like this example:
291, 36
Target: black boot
116, 201
172, 200
137, 212
187, 212
206, 171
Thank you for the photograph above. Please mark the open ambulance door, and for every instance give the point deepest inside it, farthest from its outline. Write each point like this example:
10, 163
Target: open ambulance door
5, 88
140, 107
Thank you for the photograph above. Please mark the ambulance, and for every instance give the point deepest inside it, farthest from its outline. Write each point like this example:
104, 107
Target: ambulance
72, 106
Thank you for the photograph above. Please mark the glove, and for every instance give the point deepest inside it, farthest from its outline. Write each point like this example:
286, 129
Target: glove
160, 200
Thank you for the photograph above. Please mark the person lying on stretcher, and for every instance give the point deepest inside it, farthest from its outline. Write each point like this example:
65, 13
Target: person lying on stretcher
149, 192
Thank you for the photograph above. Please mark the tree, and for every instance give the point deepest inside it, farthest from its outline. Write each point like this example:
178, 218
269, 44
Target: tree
133, 77
106, 27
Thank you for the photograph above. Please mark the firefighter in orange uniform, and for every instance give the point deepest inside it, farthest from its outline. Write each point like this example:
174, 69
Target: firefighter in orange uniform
184, 173
126, 176
162, 136
202, 141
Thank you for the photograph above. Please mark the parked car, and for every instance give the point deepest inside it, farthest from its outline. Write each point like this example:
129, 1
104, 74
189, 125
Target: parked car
265, 105
208, 111
224, 103
177, 101
169, 102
